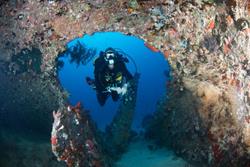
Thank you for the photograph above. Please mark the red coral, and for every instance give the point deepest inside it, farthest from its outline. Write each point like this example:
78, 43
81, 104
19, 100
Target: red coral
97, 163
167, 53
247, 118
77, 109
77, 106
53, 140
211, 136
211, 25
217, 153
173, 33
90, 144
68, 156
154, 49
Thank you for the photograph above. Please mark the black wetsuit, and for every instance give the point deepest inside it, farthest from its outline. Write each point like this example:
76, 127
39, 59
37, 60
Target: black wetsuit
105, 77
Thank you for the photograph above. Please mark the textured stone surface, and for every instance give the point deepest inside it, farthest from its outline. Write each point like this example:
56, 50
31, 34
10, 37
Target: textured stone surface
207, 47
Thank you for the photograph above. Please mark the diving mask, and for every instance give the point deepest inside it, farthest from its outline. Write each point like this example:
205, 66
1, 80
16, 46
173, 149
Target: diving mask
109, 55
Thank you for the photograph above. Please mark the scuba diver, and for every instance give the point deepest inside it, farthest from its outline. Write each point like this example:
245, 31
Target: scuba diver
111, 76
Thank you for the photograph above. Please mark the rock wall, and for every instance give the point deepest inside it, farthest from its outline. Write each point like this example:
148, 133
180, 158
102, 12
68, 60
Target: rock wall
206, 44
27, 102
201, 125
75, 140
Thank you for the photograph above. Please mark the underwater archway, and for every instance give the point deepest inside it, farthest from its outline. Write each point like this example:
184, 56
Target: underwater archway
143, 58
48, 25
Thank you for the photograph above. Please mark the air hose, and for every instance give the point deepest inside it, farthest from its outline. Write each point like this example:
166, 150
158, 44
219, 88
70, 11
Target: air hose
127, 55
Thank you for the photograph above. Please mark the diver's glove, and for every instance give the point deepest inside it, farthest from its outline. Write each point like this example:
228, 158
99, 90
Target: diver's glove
120, 90
108, 89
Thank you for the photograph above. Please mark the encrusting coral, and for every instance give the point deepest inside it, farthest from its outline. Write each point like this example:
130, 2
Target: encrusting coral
206, 43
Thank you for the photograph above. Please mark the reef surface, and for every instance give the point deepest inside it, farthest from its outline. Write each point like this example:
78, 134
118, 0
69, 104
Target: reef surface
205, 117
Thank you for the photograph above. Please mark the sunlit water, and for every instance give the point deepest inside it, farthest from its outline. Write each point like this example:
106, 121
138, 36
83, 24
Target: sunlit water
152, 84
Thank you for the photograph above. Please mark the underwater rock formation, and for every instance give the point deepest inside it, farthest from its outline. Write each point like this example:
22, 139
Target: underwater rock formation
199, 125
27, 102
204, 116
74, 138
206, 43
25, 149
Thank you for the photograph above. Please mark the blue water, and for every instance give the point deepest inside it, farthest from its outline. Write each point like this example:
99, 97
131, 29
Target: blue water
152, 84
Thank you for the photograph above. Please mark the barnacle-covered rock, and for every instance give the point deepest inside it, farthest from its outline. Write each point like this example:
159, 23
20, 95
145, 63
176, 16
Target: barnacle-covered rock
74, 139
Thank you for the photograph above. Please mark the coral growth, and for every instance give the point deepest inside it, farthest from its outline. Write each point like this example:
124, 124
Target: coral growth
207, 44
73, 139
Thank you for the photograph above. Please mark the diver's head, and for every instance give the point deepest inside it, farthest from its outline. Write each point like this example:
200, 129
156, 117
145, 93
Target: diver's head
109, 57
111, 63
109, 53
